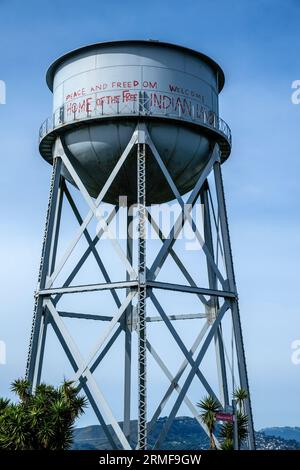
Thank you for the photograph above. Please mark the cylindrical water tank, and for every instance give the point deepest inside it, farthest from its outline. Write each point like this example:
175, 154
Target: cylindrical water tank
101, 92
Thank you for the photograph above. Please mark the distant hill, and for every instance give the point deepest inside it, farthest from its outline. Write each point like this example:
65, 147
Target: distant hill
285, 432
185, 433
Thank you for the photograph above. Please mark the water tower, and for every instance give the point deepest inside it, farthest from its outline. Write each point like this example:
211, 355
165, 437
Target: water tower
138, 121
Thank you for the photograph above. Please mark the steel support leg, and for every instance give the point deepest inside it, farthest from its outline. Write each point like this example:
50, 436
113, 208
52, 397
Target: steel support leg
234, 303
214, 303
48, 248
128, 338
142, 294
41, 350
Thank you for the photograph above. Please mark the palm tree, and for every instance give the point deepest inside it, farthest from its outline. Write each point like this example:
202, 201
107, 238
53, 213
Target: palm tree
240, 395
4, 402
226, 431
210, 407
41, 420
14, 428
22, 388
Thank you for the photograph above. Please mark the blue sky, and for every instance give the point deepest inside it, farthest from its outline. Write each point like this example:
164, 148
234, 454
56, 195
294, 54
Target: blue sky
257, 45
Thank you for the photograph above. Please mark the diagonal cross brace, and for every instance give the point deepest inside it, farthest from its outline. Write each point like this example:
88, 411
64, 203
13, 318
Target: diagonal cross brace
85, 256
169, 242
175, 257
185, 211
83, 383
94, 208
191, 375
90, 381
93, 354
177, 387
181, 345
177, 376
59, 150
90, 243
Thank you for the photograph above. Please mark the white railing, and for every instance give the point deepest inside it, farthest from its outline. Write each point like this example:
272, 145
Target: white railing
93, 107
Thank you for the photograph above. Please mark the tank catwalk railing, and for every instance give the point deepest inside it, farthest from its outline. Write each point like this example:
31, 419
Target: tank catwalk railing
134, 104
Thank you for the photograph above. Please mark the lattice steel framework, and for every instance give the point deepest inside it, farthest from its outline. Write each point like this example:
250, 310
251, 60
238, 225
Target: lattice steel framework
141, 286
